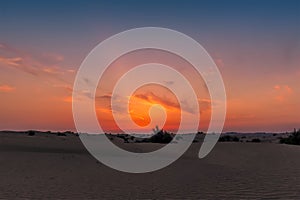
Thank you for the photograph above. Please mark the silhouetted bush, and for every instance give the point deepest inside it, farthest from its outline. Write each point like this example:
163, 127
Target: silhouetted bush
61, 134
31, 133
294, 138
160, 137
228, 138
256, 140
69, 132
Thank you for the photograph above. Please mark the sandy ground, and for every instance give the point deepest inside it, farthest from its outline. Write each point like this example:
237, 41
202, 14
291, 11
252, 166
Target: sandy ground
53, 167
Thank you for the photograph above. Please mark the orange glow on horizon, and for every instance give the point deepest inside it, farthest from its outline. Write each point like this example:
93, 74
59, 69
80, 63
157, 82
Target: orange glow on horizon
36, 93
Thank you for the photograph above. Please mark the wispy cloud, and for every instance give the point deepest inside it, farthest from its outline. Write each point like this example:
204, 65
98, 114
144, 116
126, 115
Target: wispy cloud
67, 87
52, 57
68, 99
217, 59
282, 92
52, 70
205, 104
16, 61
155, 99
219, 62
6, 88
276, 87
37, 65
150, 98
107, 96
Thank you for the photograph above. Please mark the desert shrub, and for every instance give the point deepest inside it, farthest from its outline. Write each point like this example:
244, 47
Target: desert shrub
256, 140
228, 138
125, 137
31, 133
61, 134
161, 137
195, 141
294, 138
69, 132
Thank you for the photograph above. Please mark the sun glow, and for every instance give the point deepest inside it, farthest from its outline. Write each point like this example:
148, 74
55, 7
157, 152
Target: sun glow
143, 100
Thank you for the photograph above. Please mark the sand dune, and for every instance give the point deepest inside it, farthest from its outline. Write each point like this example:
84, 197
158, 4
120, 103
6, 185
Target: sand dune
53, 167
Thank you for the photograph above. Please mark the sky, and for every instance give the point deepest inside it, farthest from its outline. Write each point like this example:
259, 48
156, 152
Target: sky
255, 44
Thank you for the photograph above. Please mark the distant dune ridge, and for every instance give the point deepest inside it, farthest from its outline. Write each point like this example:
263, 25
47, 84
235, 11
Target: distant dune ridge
50, 165
164, 137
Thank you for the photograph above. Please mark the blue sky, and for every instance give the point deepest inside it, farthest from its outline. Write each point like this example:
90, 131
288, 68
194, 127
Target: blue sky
47, 25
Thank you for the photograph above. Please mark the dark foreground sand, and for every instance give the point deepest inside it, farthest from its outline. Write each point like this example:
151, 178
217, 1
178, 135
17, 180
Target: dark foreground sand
53, 167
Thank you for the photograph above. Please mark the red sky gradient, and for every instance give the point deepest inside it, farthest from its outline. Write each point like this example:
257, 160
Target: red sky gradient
36, 89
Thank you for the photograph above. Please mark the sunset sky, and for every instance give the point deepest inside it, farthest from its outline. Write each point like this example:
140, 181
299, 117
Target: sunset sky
255, 44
